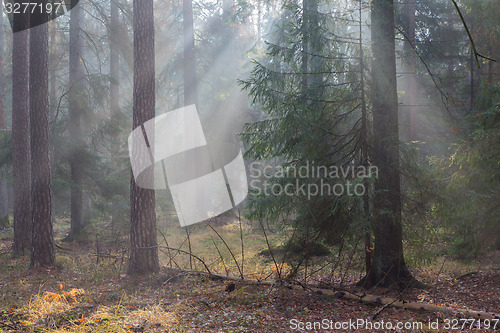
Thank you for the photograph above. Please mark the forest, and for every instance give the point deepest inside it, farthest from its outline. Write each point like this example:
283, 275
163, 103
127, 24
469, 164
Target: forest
249, 166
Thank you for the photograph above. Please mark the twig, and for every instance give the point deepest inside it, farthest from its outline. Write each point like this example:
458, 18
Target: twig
437, 277
174, 277
476, 54
190, 254
228, 248
220, 255
241, 238
189, 246
170, 259
278, 270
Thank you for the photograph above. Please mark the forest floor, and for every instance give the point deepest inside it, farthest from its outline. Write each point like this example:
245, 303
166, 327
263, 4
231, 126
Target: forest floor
87, 293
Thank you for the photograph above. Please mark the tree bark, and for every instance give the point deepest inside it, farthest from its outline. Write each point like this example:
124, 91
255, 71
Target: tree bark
76, 109
143, 242
21, 151
42, 249
189, 62
388, 265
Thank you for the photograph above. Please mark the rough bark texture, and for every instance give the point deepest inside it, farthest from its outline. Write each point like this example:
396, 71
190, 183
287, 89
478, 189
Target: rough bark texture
388, 265
21, 151
190, 84
143, 242
76, 109
42, 249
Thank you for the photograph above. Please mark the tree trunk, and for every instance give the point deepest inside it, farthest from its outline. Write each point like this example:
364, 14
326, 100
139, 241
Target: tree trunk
407, 115
311, 65
190, 84
114, 59
412, 69
53, 67
42, 249
305, 44
114, 96
2, 79
4, 198
388, 265
143, 242
21, 151
364, 149
76, 105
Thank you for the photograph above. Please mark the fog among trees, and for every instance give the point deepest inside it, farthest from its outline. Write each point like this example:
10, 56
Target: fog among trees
249, 165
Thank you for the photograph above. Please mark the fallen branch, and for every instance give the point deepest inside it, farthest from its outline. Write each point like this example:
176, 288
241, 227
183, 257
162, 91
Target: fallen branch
365, 298
418, 306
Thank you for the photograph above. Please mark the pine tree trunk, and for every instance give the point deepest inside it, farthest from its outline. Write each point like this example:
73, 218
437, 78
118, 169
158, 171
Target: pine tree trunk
76, 85
21, 151
143, 242
190, 83
388, 265
42, 250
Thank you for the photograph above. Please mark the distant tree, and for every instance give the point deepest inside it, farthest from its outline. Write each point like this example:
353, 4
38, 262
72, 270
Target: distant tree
388, 266
76, 110
143, 242
42, 250
53, 63
21, 151
114, 95
4, 198
190, 83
